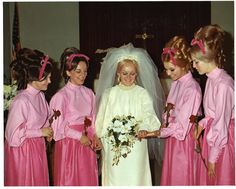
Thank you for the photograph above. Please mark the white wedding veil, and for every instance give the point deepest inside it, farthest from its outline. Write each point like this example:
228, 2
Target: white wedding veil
147, 78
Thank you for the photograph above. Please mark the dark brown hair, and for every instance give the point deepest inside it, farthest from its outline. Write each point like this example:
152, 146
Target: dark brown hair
72, 65
26, 67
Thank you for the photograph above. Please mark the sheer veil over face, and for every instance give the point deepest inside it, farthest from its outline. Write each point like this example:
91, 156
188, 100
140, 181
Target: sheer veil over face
147, 76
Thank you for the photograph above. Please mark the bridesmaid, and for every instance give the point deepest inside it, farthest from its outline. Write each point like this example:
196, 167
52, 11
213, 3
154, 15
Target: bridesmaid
25, 161
183, 101
218, 148
75, 162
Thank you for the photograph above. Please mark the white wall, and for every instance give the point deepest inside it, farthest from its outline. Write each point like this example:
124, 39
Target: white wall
222, 13
46, 26
49, 26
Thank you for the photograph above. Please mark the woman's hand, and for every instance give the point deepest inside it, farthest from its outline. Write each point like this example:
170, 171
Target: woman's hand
157, 133
197, 131
96, 143
163, 125
47, 132
211, 170
84, 140
142, 134
49, 139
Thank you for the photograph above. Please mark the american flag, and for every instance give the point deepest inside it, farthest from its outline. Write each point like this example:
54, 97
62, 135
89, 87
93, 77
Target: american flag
16, 46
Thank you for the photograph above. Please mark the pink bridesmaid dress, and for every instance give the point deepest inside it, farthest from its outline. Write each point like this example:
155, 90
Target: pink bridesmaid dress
178, 162
74, 164
218, 143
25, 160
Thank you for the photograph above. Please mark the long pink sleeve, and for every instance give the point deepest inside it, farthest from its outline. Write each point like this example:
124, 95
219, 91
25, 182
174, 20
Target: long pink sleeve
218, 106
91, 129
171, 98
75, 103
27, 115
60, 125
186, 99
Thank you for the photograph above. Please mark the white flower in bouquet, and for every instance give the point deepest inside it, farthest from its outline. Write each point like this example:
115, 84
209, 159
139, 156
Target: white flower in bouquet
125, 129
117, 124
123, 138
10, 92
117, 129
122, 134
112, 139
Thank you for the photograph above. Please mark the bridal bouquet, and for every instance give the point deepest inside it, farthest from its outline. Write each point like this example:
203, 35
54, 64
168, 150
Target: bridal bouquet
121, 134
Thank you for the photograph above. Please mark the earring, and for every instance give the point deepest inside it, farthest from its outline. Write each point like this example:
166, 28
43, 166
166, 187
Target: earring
118, 79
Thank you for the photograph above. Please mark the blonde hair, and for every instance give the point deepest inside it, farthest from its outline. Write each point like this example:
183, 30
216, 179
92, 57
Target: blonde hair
212, 37
121, 64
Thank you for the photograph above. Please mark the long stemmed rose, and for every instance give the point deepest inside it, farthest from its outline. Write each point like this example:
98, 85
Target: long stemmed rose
156, 133
194, 120
55, 115
169, 107
87, 124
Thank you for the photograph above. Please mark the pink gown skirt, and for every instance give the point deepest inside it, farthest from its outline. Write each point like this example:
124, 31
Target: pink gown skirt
178, 162
74, 164
26, 165
225, 165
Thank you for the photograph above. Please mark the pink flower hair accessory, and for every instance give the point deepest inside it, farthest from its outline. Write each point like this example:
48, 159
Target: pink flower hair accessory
72, 56
43, 62
200, 44
171, 52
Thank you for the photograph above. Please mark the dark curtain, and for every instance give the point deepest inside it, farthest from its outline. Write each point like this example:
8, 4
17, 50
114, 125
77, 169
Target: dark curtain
112, 24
